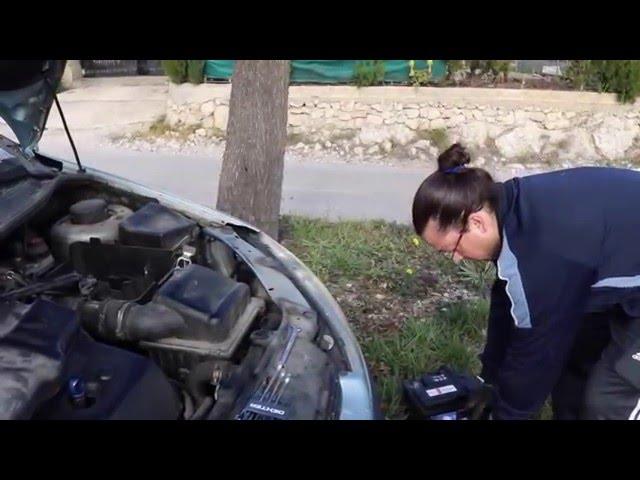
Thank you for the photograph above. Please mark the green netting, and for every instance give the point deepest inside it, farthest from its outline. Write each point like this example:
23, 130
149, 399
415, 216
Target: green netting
331, 71
219, 69
321, 71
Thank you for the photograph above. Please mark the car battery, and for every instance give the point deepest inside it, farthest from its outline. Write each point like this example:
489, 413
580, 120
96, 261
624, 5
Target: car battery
440, 395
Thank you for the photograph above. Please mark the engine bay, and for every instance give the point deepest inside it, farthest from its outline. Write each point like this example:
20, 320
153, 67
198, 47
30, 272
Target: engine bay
114, 306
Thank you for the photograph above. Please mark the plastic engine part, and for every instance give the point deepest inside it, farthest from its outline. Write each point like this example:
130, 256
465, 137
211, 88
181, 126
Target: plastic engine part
155, 226
209, 302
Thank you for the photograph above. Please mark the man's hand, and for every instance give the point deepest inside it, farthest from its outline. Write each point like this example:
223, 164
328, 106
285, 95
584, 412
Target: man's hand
479, 401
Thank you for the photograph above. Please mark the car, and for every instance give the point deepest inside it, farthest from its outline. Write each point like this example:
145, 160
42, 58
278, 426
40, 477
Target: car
121, 302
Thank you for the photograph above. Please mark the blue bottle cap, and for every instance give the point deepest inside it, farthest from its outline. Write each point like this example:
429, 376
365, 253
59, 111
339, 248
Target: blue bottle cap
76, 388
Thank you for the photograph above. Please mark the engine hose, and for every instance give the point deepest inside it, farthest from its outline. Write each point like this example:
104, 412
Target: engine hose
41, 287
120, 320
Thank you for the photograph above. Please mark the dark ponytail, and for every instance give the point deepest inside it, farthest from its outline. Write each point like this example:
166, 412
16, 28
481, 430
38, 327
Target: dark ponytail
452, 193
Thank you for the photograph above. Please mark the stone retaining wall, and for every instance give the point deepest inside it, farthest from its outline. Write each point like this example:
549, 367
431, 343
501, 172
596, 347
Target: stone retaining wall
522, 125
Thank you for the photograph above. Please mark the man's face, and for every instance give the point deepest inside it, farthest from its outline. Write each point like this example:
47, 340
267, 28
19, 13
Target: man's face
479, 240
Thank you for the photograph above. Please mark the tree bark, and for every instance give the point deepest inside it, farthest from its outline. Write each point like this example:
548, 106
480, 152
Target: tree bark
250, 185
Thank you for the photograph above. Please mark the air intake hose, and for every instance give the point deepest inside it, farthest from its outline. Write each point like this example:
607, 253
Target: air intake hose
121, 320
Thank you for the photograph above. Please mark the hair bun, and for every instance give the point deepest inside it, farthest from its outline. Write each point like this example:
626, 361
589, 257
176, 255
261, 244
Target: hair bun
454, 156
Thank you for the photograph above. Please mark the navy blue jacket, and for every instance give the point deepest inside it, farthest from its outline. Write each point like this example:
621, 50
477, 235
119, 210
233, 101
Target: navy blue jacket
570, 245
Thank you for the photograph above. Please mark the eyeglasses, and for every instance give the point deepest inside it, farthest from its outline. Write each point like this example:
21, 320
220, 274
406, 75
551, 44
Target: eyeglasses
462, 232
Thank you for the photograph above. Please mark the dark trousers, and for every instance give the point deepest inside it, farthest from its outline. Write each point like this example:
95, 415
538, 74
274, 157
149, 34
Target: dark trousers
602, 377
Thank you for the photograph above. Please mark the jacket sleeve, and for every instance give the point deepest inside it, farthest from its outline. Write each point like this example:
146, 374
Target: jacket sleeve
548, 295
498, 331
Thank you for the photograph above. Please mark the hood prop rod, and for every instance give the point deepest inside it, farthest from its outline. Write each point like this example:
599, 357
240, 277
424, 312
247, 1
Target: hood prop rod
66, 128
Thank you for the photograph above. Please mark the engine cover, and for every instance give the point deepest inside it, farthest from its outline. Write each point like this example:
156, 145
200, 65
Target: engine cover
117, 384
43, 351
34, 344
209, 302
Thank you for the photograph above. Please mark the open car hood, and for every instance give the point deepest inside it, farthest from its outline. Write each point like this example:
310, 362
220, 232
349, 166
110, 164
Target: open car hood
26, 94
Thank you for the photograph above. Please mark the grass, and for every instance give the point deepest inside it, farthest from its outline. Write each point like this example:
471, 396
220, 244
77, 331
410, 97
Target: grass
479, 274
437, 136
411, 308
405, 301
453, 337
159, 127
295, 138
374, 250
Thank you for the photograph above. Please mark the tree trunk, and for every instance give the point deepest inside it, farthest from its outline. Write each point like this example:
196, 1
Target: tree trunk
252, 167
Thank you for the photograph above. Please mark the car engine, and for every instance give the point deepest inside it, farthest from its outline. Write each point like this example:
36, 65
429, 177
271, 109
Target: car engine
124, 310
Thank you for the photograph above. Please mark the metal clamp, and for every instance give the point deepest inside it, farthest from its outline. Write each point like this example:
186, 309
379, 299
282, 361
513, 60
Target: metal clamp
183, 261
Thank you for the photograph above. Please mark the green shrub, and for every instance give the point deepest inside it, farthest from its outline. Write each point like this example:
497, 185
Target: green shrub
195, 71
454, 66
368, 72
420, 76
580, 73
180, 71
621, 77
176, 70
497, 67
437, 136
493, 67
